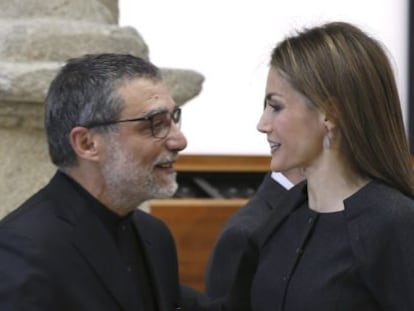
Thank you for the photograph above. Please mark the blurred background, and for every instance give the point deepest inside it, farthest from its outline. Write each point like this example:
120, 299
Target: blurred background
229, 42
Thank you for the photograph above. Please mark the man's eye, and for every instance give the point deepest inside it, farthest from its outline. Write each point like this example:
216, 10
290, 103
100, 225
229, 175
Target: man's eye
158, 120
157, 124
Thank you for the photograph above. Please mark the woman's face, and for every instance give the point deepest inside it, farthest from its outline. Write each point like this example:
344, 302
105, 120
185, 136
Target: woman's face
294, 129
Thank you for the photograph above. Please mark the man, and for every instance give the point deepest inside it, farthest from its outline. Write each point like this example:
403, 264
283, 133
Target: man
228, 249
80, 243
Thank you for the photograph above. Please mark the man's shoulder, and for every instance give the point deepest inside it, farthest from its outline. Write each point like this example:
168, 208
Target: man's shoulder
33, 229
41, 204
33, 209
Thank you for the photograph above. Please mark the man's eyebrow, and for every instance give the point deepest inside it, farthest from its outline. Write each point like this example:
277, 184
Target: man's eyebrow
151, 112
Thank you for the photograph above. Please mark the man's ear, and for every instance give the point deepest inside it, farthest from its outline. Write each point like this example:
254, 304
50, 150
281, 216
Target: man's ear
84, 143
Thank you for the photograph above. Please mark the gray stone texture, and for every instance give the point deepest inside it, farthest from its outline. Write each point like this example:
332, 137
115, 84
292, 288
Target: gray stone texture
96, 11
39, 40
36, 38
24, 167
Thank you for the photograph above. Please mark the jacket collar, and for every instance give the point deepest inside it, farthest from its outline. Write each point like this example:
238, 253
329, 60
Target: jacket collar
271, 192
289, 202
92, 240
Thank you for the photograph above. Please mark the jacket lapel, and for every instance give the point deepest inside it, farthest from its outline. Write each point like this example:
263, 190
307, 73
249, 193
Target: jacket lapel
150, 258
291, 200
93, 241
239, 296
161, 259
271, 192
100, 251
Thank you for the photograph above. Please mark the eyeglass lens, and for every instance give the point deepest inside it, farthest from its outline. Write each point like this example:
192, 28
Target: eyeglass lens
161, 122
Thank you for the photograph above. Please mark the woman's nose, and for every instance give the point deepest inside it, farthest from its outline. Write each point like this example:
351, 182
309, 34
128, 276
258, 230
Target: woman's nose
263, 125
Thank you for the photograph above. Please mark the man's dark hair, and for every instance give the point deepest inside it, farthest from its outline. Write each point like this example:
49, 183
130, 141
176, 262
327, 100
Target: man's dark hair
85, 90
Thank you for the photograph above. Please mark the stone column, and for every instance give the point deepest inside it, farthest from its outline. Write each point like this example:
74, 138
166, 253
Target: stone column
36, 37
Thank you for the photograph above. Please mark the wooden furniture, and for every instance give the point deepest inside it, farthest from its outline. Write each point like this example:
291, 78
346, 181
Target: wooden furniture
196, 222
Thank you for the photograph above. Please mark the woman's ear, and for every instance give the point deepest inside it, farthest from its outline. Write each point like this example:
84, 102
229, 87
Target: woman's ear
329, 123
84, 143
331, 114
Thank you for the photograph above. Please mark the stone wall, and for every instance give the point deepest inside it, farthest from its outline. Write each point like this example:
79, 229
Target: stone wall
36, 37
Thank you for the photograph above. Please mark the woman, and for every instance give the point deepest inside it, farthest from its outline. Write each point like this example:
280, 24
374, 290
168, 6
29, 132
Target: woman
347, 242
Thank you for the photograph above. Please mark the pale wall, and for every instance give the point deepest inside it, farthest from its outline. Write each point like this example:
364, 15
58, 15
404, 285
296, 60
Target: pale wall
229, 42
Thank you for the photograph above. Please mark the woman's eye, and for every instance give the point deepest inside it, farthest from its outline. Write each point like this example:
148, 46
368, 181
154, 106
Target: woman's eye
275, 107
273, 104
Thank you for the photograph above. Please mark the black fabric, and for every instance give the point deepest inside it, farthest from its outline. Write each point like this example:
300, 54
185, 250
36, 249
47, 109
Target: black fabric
365, 256
228, 249
310, 256
56, 254
132, 253
130, 247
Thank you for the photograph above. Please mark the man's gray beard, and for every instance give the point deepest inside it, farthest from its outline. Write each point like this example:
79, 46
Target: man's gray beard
127, 185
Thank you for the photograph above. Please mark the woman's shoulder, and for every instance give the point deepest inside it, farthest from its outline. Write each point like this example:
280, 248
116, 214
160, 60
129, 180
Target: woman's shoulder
379, 213
379, 198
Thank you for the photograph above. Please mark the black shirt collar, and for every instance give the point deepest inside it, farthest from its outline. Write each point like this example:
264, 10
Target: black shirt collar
110, 219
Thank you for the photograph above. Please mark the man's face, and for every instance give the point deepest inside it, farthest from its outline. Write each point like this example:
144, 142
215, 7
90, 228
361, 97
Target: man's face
137, 166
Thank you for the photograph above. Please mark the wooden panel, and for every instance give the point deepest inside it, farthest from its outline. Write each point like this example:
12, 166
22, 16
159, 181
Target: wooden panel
195, 225
222, 163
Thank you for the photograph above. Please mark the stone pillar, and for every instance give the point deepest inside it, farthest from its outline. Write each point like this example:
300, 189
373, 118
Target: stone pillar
36, 37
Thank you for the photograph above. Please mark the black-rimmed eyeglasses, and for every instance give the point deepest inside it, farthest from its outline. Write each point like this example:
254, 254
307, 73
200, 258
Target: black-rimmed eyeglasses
160, 122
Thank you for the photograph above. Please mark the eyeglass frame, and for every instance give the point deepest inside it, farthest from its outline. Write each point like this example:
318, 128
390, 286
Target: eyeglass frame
174, 116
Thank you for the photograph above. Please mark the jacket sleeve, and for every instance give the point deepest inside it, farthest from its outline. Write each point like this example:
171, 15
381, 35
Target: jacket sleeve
238, 295
239, 298
223, 262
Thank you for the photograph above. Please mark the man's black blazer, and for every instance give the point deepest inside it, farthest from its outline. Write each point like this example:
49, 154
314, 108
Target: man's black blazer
55, 254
